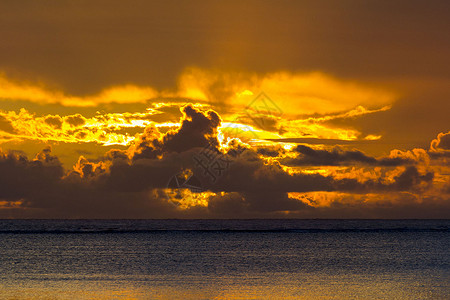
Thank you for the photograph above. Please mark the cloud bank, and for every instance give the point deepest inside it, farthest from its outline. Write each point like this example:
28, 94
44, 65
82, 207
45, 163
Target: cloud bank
263, 182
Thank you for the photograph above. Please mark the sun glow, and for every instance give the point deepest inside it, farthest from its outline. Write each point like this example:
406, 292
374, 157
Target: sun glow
185, 198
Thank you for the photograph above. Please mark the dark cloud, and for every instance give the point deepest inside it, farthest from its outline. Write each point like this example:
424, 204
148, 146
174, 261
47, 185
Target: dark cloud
409, 179
253, 205
75, 120
124, 190
258, 182
336, 157
317, 141
55, 121
271, 202
87, 169
249, 174
197, 130
148, 145
271, 152
130, 183
47, 192
255, 190
21, 178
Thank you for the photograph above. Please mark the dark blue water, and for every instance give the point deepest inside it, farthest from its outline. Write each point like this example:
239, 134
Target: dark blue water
223, 259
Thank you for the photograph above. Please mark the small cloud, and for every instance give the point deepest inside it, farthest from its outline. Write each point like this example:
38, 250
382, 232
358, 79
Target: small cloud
372, 137
75, 120
55, 121
441, 143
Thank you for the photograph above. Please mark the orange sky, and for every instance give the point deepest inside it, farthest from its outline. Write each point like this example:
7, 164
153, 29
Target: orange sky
242, 109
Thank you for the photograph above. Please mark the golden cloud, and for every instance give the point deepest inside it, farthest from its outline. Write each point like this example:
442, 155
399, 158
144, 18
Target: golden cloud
34, 92
294, 93
106, 129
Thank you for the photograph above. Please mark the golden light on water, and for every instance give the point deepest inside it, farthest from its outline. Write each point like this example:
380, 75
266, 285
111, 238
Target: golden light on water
224, 149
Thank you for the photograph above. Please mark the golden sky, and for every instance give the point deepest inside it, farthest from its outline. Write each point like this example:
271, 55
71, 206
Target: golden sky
236, 109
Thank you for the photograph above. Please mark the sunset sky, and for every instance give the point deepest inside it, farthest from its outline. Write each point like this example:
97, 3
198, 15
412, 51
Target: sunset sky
269, 109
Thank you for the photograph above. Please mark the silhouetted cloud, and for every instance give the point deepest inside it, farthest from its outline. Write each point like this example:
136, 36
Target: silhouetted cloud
76, 120
131, 183
197, 130
336, 157
21, 178
55, 121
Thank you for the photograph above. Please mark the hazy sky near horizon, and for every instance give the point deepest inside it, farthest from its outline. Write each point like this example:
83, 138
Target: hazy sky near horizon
103, 103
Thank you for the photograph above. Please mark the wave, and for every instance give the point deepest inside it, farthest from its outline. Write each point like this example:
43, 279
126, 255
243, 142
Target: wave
139, 231
220, 226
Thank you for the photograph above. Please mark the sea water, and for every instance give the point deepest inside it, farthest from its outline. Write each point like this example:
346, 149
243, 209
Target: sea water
224, 259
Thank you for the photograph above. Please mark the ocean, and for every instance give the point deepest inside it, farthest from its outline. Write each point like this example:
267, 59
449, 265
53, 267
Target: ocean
224, 259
